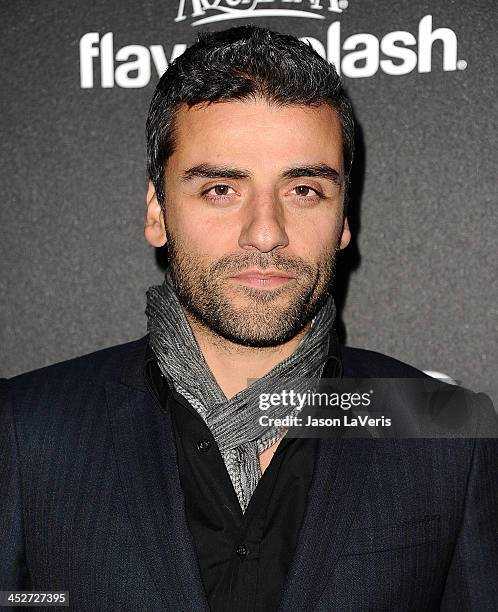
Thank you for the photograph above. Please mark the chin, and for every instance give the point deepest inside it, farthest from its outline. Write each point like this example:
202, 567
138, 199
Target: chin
243, 328
256, 341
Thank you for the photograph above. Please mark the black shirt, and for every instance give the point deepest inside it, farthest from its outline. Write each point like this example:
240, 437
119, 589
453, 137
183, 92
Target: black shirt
243, 557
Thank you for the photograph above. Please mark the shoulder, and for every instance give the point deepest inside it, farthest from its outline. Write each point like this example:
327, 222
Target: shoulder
52, 415
105, 362
358, 362
450, 409
68, 382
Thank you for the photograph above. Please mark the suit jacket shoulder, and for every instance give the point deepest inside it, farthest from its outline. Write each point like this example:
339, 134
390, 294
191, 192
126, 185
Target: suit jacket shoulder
80, 375
359, 362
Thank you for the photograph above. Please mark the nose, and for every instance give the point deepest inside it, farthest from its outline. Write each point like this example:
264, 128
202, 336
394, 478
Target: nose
263, 226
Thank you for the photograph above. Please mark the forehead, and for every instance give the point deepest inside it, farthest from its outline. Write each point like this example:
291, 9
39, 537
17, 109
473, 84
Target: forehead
256, 134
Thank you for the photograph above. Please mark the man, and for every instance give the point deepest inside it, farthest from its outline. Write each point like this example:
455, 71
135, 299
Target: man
137, 478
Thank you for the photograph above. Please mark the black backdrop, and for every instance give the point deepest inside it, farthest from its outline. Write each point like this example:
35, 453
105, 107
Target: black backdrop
419, 280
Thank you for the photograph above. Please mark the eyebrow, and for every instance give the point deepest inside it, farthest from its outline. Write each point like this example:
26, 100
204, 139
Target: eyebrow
210, 171
214, 172
315, 170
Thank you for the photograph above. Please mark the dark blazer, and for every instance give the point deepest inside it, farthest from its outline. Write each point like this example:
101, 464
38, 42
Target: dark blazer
91, 503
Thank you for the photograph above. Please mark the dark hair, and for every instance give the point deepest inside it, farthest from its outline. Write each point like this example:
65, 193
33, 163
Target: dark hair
236, 64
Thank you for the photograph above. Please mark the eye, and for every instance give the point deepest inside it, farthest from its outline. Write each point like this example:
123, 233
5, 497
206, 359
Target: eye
217, 192
306, 192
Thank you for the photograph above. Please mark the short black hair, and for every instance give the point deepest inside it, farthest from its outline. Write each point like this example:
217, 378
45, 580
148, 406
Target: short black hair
237, 64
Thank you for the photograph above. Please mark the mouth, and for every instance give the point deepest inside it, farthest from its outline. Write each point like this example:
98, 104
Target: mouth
263, 279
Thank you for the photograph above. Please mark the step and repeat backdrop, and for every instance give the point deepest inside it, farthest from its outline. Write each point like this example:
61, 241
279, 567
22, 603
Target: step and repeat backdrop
418, 281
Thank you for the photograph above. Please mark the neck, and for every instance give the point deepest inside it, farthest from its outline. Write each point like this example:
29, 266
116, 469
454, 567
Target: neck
232, 364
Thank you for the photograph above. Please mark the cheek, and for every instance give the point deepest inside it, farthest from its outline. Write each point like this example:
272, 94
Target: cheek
206, 235
313, 238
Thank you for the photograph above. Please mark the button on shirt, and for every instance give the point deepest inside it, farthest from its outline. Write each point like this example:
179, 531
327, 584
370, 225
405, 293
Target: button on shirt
243, 557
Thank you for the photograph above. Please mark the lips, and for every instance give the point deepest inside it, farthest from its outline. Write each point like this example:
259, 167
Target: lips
264, 279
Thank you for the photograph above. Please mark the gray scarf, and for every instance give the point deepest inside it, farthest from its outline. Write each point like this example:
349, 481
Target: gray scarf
234, 423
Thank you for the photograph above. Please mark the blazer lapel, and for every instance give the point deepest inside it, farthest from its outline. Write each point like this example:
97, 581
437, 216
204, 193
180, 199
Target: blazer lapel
341, 467
147, 466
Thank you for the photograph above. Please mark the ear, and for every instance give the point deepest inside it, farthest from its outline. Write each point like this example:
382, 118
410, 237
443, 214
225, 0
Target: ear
345, 234
154, 228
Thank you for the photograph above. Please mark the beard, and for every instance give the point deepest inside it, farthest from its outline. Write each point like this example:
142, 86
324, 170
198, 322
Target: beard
265, 318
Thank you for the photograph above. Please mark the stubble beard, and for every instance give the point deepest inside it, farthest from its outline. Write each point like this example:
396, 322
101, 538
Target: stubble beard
268, 317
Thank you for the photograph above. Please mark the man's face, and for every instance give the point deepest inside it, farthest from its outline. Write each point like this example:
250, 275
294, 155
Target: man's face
254, 214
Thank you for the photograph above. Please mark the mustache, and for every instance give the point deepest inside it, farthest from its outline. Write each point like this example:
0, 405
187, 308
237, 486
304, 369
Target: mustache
234, 264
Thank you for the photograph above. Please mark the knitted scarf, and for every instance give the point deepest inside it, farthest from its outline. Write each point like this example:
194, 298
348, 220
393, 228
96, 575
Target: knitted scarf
234, 423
